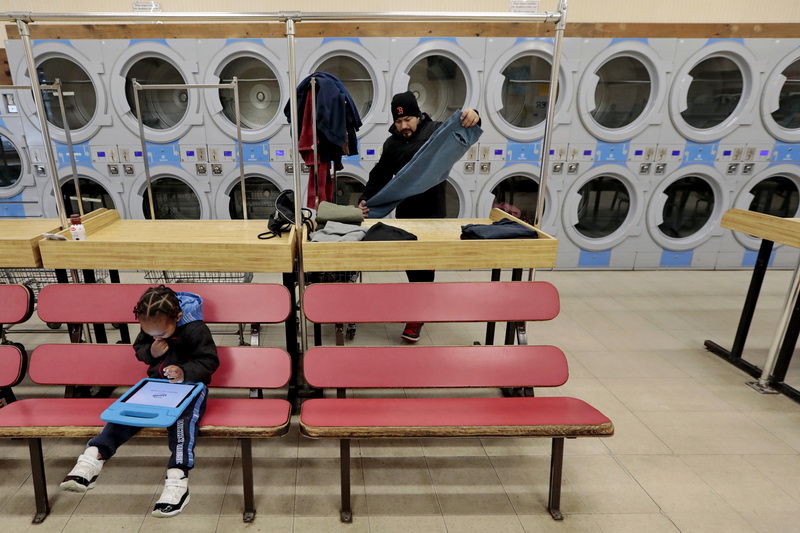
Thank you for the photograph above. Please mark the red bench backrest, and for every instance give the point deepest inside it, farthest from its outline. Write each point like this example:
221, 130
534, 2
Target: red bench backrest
107, 303
435, 366
116, 364
12, 365
430, 302
16, 304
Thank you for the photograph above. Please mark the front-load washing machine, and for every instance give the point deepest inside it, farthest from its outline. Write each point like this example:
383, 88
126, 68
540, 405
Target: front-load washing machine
18, 196
601, 214
168, 115
444, 73
97, 190
773, 189
780, 98
686, 203
362, 65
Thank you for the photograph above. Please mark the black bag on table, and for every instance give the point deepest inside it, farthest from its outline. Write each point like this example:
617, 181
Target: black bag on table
282, 219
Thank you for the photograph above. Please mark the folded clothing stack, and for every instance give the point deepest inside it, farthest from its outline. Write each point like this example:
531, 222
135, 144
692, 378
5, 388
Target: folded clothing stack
502, 229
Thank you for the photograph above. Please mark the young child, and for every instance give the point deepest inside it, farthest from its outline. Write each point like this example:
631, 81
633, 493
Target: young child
176, 344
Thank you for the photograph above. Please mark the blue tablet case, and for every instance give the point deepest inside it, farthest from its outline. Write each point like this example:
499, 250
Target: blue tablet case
152, 403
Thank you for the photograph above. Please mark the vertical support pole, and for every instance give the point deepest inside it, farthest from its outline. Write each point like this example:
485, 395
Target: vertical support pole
136, 88
39, 480
68, 138
240, 155
346, 513
25, 36
247, 480
298, 205
490, 326
556, 465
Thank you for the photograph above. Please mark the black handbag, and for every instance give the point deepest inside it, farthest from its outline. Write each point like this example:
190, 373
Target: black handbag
283, 218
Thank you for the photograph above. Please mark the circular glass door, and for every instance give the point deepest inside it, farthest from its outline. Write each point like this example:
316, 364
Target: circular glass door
356, 79
10, 163
259, 92
161, 108
622, 93
439, 85
525, 92
688, 208
714, 93
260, 194
77, 92
93, 196
517, 196
452, 201
788, 113
777, 196
173, 199
348, 190
603, 208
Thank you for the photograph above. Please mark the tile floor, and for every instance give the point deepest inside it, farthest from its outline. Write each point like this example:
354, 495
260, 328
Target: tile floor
695, 449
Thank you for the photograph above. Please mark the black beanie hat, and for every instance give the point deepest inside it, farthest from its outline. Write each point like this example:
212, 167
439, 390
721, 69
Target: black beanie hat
405, 105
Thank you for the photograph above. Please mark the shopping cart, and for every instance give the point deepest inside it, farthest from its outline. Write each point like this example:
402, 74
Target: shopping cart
195, 276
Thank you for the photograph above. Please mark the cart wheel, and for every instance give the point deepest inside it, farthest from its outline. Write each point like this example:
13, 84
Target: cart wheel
351, 331
116, 326
53, 325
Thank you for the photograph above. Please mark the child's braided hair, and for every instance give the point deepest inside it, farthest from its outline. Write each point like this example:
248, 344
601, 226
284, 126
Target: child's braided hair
157, 301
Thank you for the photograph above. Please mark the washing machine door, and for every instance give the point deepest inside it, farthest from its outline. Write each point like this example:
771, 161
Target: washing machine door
518, 90
622, 91
685, 208
780, 101
260, 192
10, 164
441, 76
776, 192
712, 93
602, 208
173, 199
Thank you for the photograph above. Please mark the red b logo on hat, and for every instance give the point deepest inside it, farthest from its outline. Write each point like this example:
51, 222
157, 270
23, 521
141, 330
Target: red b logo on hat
399, 110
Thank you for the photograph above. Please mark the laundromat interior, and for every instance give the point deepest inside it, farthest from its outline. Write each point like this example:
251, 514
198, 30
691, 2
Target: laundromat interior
675, 123
661, 124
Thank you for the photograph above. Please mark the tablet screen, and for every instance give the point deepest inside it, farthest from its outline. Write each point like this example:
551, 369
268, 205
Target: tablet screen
160, 394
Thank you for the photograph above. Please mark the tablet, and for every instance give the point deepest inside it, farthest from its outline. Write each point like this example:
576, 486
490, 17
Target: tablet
152, 403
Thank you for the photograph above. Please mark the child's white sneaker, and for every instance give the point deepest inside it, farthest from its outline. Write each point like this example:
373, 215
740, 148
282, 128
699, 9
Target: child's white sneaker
175, 495
84, 475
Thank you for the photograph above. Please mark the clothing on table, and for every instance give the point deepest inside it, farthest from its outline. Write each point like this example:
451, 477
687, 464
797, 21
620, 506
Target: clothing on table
383, 232
501, 229
337, 231
429, 166
347, 214
181, 436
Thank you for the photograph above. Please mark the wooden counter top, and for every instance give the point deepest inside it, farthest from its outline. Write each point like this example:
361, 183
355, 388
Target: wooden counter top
776, 229
205, 245
19, 241
439, 247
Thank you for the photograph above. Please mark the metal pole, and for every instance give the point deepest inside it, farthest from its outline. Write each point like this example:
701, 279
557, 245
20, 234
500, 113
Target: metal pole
762, 385
25, 35
68, 137
240, 155
298, 206
136, 88
314, 140
544, 168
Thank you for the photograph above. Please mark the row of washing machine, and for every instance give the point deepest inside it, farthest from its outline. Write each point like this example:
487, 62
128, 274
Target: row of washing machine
652, 139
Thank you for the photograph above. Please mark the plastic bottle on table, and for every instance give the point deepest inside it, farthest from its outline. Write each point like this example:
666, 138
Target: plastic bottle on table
77, 230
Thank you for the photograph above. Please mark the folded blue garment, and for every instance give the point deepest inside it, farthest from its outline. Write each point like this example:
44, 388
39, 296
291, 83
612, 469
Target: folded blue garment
502, 229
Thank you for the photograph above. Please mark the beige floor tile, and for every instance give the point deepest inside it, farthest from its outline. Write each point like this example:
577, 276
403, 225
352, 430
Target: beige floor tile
274, 485
407, 524
635, 523
484, 524
263, 523
573, 523
768, 522
182, 522
330, 524
526, 481
22, 523
711, 522
399, 486
783, 424
782, 470
665, 394
713, 433
102, 524
624, 364
468, 486
673, 485
604, 486
318, 488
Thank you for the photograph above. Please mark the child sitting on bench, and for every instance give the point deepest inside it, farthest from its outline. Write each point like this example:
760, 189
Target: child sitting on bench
176, 344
